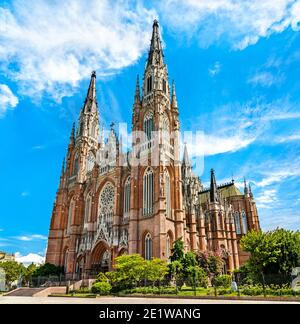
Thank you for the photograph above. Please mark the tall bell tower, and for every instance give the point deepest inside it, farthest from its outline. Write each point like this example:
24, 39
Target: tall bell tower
156, 205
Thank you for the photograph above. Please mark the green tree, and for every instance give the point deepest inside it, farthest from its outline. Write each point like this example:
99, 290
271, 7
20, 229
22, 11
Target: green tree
12, 270
28, 272
177, 251
47, 269
273, 252
155, 269
130, 268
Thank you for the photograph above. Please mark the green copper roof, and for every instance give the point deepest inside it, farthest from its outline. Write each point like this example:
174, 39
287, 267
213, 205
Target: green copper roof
226, 191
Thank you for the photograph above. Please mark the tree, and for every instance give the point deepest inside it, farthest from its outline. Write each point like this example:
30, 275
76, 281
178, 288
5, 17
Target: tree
177, 251
12, 270
210, 262
28, 272
155, 269
47, 270
130, 268
273, 252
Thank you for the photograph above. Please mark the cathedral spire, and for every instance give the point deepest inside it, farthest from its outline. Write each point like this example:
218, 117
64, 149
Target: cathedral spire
88, 125
72, 136
250, 192
245, 188
174, 104
155, 56
186, 160
137, 96
214, 197
90, 104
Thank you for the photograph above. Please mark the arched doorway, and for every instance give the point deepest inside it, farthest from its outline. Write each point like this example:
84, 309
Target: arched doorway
100, 258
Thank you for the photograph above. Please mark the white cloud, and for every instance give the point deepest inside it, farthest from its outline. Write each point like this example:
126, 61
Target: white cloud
32, 237
267, 199
7, 99
208, 144
277, 176
29, 258
54, 45
242, 23
215, 69
287, 138
265, 79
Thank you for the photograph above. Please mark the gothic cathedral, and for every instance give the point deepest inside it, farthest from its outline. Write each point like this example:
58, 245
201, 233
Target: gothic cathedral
109, 202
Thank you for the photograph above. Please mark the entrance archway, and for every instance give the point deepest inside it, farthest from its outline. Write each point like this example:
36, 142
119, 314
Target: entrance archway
100, 258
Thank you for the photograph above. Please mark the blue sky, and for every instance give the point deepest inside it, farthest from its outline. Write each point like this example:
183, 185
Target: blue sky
236, 67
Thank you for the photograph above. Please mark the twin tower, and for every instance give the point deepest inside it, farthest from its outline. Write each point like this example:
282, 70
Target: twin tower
109, 202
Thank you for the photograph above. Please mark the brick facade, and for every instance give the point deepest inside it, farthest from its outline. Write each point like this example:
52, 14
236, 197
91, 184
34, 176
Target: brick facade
90, 226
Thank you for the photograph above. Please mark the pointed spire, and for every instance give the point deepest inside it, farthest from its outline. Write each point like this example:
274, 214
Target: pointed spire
63, 167
245, 188
214, 197
155, 54
186, 160
137, 97
250, 192
90, 104
72, 136
62, 174
174, 104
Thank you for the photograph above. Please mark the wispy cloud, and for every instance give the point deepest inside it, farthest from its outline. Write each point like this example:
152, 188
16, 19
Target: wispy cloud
29, 258
240, 23
7, 99
287, 138
29, 238
215, 69
267, 199
54, 45
265, 79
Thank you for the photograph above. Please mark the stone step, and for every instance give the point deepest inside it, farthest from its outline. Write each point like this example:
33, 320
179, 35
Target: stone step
24, 291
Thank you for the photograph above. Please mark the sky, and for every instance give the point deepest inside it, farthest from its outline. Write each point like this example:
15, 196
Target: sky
236, 66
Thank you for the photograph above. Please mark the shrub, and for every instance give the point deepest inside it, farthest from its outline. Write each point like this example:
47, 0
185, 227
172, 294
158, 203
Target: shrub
224, 291
101, 277
222, 281
101, 288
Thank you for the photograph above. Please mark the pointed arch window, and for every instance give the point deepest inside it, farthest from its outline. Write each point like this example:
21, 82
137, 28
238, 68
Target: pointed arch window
164, 86
148, 247
168, 247
148, 192
148, 125
90, 162
168, 194
149, 84
126, 199
71, 214
75, 167
237, 222
166, 129
87, 213
244, 222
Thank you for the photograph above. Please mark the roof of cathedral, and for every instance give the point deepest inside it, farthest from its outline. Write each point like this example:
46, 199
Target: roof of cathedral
226, 190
